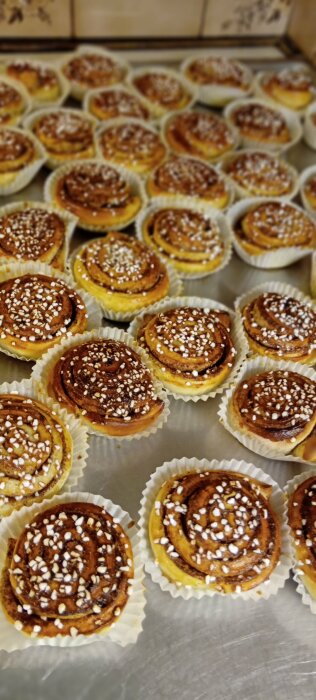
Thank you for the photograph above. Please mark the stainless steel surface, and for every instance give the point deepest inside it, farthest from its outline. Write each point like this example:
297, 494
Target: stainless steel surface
209, 649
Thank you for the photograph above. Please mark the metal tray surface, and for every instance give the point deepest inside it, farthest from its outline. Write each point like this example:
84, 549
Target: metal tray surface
198, 650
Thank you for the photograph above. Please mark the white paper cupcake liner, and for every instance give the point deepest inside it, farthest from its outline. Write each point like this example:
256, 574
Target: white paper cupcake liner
278, 288
313, 276
175, 289
180, 466
219, 95
77, 90
186, 203
309, 127
254, 443
134, 181
63, 84
277, 258
42, 368
156, 110
88, 97
24, 176
305, 176
10, 270
128, 626
307, 599
52, 161
233, 131
171, 197
292, 121
242, 192
69, 220
27, 103
79, 434
120, 121
260, 92
237, 337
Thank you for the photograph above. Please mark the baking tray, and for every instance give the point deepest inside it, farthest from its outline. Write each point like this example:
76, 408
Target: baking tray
199, 650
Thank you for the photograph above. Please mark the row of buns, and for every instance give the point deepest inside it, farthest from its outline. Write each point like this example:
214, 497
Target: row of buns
72, 566
213, 80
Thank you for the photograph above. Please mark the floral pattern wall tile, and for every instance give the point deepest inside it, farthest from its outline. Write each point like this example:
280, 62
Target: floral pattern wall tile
246, 17
35, 18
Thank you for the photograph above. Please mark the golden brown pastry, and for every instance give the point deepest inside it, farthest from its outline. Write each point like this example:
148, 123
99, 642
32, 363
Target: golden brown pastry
68, 572
281, 327
190, 240
66, 134
278, 408
40, 79
89, 69
132, 144
116, 102
215, 530
106, 384
35, 452
98, 194
164, 90
302, 521
33, 233
200, 134
190, 348
12, 103
214, 70
309, 189
17, 151
258, 122
180, 175
273, 225
291, 87
122, 273
36, 312
260, 174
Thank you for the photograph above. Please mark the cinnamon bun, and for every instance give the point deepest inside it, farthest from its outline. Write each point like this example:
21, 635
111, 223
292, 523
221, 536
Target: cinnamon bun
88, 69
35, 452
33, 233
200, 134
68, 572
257, 122
280, 327
278, 408
215, 530
101, 196
17, 150
36, 312
291, 87
133, 144
302, 519
215, 71
271, 225
181, 175
105, 383
260, 174
121, 273
309, 192
66, 134
40, 79
164, 90
191, 349
189, 239
115, 102
13, 102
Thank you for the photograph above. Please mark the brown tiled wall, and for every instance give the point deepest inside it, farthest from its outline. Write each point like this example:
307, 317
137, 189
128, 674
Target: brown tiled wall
143, 18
